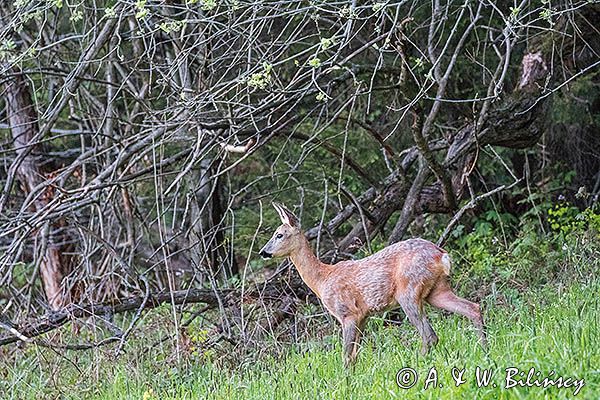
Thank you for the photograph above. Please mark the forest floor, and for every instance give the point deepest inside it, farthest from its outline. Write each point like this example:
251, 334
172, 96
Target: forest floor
553, 329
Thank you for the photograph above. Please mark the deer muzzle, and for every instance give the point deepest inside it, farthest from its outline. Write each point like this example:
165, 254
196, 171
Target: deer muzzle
264, 254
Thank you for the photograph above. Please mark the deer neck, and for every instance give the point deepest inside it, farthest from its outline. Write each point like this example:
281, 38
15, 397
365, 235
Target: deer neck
311, 269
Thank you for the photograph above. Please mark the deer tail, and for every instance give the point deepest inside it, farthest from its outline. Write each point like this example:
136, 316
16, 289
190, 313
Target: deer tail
446, 263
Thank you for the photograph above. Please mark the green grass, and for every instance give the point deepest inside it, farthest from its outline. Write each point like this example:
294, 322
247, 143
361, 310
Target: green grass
540, 296
550, 328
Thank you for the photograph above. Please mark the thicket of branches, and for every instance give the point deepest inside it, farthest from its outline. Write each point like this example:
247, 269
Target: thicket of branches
141, 142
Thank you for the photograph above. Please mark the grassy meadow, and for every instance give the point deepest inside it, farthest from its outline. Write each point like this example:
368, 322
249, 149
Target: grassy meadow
552, 324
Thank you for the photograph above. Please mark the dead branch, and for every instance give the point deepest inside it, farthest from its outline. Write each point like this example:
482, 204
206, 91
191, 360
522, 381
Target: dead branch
56, 319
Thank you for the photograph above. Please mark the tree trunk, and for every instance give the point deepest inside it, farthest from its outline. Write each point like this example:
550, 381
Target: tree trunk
208, 249
22, 119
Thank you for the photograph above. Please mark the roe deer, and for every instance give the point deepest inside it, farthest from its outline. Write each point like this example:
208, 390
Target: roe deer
406, 273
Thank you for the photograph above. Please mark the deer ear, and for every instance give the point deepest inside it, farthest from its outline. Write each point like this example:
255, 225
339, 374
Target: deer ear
287, 217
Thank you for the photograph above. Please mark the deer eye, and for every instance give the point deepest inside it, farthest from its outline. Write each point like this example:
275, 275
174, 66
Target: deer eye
279, 236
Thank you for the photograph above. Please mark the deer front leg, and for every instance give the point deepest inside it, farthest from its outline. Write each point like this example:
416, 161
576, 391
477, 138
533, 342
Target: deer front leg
351, 333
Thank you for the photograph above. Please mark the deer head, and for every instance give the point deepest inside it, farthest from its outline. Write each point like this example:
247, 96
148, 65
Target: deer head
287, 238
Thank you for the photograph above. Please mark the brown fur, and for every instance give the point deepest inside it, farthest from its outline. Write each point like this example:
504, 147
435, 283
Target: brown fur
405, 273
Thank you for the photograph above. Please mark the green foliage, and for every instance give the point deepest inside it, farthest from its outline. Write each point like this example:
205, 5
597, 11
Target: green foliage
326, 43
21, 3
7, 47
565, 219
321, 96
314, 62
546, 15
171, 26
261, 80
77, 15
348, 12
110, 12
497, 250
206, 5
378, 7
141, 10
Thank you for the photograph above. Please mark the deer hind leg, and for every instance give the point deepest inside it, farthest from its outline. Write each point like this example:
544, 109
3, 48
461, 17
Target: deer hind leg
443, 297
352, 333
413, 308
